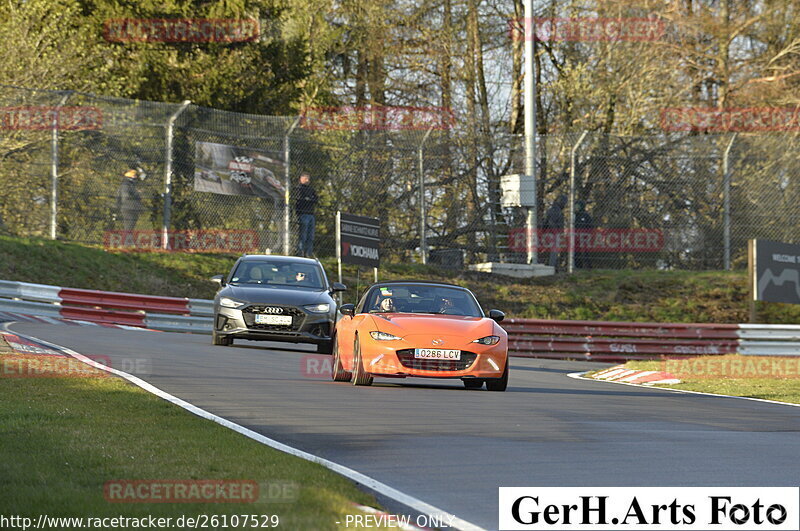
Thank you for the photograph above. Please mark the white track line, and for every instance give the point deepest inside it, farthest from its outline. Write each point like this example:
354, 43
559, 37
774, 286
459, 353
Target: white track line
579, 376
373, 484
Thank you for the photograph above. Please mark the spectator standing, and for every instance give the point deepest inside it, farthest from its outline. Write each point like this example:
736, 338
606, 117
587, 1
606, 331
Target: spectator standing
554, 221
305, 203
129, 202
583, 224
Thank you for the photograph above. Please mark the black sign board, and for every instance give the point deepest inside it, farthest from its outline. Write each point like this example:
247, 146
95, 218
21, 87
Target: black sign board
776, 272
360, 240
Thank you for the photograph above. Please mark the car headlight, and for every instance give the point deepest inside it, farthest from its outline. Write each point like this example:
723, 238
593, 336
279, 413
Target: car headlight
230, 303
488, 340
318, 308
383, 336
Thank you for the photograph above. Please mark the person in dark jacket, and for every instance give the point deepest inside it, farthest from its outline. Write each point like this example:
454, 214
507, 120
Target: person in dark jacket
554, 221
304, 205
583, 224
129, 202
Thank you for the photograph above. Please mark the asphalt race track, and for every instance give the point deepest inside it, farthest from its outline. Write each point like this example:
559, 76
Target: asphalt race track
453, 448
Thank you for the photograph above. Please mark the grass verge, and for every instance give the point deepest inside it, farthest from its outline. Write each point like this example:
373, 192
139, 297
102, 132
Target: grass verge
64, 438
661, 296
765, 377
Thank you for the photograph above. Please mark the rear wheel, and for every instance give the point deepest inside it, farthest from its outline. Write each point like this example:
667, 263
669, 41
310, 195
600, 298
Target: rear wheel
221, 339
337, 369
498, 384
473, 383
360, 376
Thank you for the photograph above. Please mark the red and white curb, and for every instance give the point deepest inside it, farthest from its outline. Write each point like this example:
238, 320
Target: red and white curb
620, 374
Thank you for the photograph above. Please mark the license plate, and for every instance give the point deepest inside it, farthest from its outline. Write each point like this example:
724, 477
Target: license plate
274, 319
436, 354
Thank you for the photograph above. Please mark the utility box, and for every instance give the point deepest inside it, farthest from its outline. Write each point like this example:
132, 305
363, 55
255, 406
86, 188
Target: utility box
517, 191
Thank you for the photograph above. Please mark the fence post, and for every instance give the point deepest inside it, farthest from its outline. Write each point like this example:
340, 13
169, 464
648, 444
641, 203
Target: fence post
423, 239
726, 176
287, 207
54, 168
571, 235
530, 129
168, 175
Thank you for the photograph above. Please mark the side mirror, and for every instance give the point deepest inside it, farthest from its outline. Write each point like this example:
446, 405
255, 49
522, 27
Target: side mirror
496, 315
219, 279
338, 286
348, 309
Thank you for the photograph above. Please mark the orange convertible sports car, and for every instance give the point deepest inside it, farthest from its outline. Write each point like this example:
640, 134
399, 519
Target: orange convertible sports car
422, 329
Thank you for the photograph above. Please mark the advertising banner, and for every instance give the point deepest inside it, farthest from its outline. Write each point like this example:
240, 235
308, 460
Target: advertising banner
776, 272
231, 170
360, 240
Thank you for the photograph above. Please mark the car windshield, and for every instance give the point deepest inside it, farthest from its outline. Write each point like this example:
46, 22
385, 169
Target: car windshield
297, 275
421, 298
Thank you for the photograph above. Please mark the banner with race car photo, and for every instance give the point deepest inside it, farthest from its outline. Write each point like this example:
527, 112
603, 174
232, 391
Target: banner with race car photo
232, 170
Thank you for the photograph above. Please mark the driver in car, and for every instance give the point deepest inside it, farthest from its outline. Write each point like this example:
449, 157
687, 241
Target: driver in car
387, 305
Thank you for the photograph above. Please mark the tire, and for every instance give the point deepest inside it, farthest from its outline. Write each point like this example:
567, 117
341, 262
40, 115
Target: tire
338, 374
220, 339
325, 348
473, 383
498, 384
360, 376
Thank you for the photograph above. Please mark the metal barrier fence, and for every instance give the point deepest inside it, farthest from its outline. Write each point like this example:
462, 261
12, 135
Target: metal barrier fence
669, 201
531, 338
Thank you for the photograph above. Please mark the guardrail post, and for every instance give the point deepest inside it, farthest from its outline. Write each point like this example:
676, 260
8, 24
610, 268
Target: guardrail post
168, 176
571, 235
54, 168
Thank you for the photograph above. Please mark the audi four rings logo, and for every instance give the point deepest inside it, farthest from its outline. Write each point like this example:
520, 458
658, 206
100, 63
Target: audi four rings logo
272, 309
438, 341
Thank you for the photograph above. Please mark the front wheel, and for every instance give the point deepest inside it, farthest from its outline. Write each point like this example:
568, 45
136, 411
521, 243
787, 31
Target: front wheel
498, 384
360, 376
338, 374
221, 339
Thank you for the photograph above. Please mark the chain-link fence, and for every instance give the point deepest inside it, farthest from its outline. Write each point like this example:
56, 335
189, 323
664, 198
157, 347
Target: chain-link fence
663, 201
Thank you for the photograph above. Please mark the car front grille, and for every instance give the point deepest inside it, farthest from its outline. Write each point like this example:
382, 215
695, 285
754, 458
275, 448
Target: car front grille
249, 313
407, 359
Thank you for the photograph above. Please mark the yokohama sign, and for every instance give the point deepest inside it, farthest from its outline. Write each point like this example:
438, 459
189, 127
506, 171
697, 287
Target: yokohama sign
360, 240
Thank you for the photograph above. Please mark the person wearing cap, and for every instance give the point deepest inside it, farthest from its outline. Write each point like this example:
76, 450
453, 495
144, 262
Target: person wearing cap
129, 202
